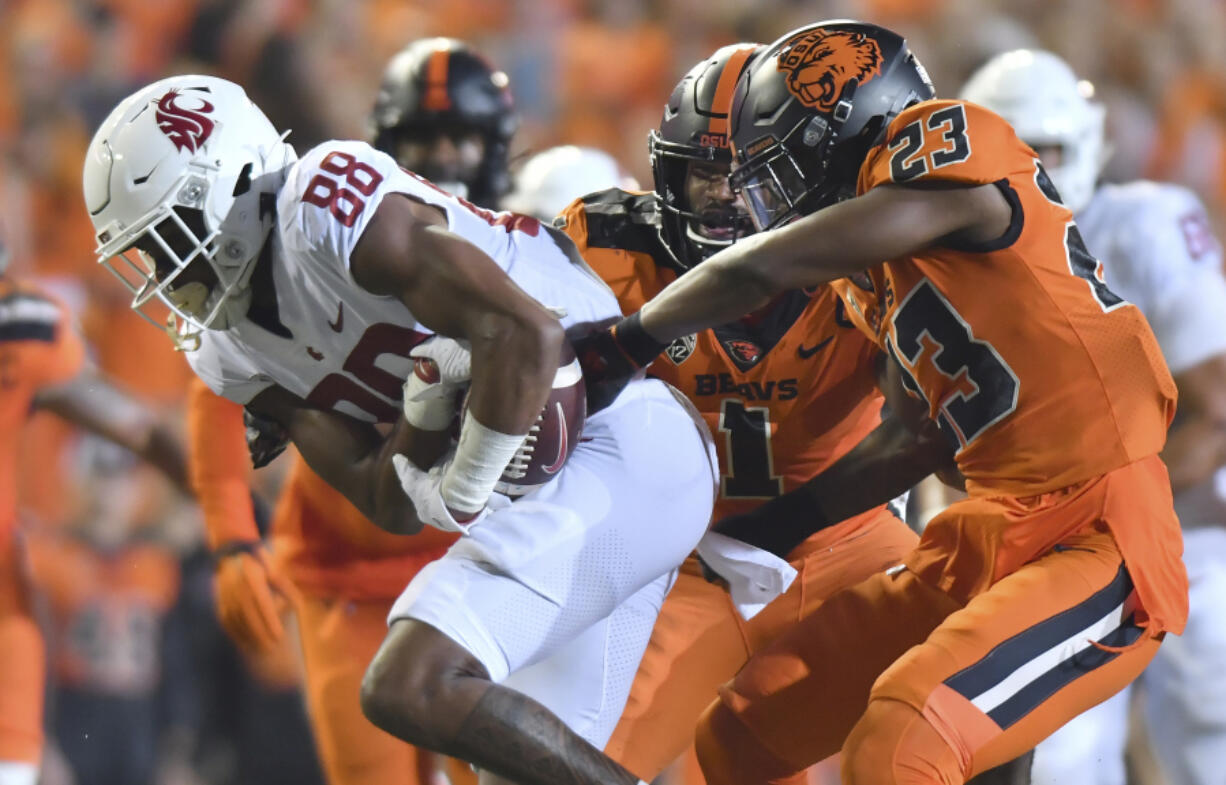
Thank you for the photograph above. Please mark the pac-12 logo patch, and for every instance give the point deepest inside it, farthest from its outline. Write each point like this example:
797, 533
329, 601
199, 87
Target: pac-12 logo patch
679, 350
186, 126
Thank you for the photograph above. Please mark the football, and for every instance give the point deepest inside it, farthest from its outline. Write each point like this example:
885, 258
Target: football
554, 435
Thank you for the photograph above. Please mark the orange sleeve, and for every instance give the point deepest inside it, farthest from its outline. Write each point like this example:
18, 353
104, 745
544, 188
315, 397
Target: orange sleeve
220, 466
633, 276
945, 141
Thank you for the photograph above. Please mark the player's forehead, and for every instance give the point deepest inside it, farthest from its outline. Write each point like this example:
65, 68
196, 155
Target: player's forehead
707, 170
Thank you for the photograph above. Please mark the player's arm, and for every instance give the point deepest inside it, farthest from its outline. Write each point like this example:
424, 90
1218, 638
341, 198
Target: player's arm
1196, 445
249, 594
90, 402
895, 456
455, 289
220, 467
350, 455
889, 221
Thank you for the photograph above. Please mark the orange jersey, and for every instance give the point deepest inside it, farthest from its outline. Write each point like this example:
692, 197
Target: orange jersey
1039, 375
38, 347
322, 542
785, 392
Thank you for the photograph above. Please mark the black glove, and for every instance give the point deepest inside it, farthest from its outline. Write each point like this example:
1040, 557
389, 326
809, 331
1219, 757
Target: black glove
611, 357
266, 439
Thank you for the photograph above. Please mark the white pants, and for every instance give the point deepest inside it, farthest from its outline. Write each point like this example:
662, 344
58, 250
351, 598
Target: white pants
18, 773
556, 594
1184, 691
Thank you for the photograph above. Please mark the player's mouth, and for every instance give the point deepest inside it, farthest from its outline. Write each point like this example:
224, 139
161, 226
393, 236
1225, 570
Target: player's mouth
722, 225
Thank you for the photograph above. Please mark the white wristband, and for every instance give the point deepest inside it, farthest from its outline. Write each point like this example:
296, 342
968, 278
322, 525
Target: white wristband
480, 459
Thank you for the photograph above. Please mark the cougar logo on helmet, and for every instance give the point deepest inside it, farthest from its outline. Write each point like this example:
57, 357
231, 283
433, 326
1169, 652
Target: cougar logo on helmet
821, 62
187, 128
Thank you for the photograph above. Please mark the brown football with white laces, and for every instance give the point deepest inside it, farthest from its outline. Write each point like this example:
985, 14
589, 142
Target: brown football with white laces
554, 435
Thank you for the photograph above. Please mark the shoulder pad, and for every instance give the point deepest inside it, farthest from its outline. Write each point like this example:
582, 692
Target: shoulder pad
626, 221
951, 141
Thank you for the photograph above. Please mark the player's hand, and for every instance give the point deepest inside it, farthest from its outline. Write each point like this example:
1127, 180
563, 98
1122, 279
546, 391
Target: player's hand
611, 357
425, 490
441, 368
266, 439
250, 597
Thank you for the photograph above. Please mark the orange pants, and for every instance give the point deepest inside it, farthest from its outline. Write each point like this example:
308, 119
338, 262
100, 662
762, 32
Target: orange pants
699, 640
915, 687
339, 638
22, 664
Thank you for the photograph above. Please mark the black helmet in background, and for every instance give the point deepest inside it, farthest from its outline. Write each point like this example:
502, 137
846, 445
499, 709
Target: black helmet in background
439, 88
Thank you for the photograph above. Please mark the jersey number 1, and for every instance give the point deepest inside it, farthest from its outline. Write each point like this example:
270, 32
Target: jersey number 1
747, 431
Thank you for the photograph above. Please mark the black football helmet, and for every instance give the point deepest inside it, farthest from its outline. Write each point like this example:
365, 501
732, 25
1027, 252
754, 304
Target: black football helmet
809, 109
440, 85
695, 128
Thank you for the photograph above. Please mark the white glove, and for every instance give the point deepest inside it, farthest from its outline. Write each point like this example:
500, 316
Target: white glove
424, 489
442, 366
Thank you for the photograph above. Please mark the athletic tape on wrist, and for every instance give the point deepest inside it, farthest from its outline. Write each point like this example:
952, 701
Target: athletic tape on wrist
480, 459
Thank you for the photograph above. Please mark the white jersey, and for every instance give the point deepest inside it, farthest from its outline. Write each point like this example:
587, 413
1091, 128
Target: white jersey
1158, 252
346, 349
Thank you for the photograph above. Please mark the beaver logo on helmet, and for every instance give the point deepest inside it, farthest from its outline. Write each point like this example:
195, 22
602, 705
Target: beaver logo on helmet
187, 128
821, 62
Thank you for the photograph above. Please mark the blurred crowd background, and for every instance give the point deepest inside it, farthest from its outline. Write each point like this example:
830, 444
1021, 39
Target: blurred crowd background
137, 659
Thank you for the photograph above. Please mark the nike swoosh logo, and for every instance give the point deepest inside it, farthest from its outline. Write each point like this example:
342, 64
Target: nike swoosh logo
556, 466
339, 324
817, 347
315, 355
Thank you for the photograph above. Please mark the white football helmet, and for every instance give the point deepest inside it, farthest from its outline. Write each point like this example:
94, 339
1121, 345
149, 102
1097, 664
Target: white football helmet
182, 173
553, 178
1045, 102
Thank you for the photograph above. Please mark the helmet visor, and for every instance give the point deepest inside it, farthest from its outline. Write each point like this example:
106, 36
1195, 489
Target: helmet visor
770, 188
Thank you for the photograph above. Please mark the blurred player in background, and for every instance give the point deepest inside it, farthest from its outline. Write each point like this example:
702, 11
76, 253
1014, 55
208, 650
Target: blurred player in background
549, 180
787, 390
443, 111
42, 366
1051, 587
1158, 252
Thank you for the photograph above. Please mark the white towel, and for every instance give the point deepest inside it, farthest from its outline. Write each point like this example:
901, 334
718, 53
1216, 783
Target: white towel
754, 576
